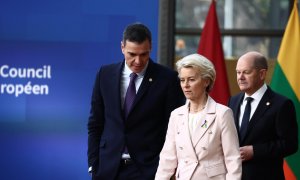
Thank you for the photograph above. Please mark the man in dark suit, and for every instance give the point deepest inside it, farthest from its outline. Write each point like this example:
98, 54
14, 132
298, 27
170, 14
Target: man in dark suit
271, 132
126, 145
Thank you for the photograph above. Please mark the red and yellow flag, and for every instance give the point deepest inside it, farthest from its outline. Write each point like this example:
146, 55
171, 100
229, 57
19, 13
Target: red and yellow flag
286, 80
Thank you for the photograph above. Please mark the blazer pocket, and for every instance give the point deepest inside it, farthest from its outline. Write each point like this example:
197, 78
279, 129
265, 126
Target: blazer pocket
215, 169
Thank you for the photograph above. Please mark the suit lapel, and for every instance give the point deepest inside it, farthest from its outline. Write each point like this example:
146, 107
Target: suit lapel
205, 122
115, 88
148, 80
235, 104
186, 132
237, 107
262, 107
202, 128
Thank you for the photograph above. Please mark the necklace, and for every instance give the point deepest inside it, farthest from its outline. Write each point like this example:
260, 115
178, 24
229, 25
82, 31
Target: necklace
197, 104
196, 110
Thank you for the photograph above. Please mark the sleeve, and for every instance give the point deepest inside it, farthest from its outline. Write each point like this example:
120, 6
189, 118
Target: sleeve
230, 145
168, 158
95, 123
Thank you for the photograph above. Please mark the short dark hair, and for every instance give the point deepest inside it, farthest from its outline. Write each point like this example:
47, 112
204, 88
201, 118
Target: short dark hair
136, 32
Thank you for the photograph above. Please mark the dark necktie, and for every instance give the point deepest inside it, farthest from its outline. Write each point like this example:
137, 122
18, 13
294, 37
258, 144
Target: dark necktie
129, 98
130, 94
246, 117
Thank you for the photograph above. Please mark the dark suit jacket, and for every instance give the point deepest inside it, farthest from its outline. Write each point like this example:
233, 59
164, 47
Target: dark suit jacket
144, 129
272, 131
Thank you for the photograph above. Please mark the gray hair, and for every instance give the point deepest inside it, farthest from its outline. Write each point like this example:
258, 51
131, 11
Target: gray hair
202, 64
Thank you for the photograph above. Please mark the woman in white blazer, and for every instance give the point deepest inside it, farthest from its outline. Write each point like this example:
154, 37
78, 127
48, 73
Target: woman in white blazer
201, 141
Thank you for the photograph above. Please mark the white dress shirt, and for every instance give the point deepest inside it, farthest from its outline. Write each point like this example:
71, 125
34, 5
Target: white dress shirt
125, 79
256, 99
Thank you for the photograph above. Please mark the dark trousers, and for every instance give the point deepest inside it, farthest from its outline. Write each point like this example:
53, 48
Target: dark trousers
129, 172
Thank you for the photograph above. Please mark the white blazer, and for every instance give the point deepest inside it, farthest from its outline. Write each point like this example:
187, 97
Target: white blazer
210, 152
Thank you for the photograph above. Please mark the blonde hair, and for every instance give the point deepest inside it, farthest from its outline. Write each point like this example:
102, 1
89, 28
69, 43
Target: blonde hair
204, 66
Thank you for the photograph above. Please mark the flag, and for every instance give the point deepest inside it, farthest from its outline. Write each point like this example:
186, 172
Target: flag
210, 46
286, 81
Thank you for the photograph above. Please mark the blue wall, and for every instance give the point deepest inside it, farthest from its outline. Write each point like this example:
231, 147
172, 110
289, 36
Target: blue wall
43, 133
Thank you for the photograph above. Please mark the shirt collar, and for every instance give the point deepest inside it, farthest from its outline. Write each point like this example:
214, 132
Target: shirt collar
258, 94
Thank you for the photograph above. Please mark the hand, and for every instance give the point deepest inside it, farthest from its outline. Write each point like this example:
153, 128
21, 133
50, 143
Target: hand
246, 153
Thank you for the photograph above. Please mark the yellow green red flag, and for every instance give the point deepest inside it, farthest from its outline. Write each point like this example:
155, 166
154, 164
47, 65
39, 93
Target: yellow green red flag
286, 80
